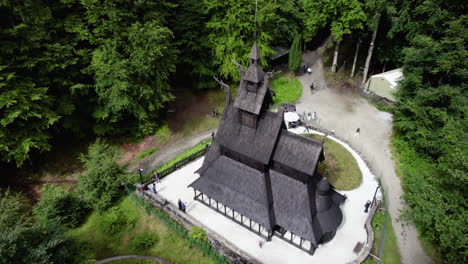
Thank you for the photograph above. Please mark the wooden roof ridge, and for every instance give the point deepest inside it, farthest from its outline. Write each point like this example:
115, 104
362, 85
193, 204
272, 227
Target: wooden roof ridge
298, 152
254, 52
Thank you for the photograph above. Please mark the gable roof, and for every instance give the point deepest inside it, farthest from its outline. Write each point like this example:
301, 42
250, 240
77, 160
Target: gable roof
237, 186
298, 152
251, 101
392, 76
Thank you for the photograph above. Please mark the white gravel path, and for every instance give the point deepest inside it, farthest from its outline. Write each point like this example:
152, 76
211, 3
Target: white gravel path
339, 250
344, 113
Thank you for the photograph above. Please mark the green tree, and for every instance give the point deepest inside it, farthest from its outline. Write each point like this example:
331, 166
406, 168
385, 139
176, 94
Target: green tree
430, 121
60, 206
37, 69
101, 183
295, 54
22, 241
342, 16
132, 61
231, 29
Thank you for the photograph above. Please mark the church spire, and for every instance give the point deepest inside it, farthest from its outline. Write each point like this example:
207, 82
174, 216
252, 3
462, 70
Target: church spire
255, 72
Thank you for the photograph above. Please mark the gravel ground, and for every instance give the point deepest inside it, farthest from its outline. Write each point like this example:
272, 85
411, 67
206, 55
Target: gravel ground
345, 112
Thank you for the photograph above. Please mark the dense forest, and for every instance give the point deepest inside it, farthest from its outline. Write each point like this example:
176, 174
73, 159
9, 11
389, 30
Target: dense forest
89, 68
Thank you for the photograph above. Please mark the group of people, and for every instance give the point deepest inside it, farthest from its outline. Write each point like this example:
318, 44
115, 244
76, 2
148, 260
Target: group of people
307, 69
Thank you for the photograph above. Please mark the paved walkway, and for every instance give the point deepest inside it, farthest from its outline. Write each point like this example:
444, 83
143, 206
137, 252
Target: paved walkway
277, 251
116, 258
344, 113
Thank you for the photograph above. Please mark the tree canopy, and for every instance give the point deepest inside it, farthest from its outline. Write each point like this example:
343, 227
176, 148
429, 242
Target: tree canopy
98, 68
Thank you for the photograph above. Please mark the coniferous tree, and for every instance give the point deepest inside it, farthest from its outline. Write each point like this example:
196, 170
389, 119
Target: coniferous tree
295, 54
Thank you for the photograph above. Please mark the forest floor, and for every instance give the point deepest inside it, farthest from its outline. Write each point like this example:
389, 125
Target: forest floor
341, 108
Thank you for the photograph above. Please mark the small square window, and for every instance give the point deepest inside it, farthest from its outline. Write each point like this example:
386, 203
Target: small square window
248, 119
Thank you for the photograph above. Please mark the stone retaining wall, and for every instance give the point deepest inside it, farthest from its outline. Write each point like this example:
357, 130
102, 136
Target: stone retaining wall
224, 247
370, 235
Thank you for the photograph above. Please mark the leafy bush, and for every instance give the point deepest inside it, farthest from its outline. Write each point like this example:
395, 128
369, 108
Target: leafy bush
163, 133
113, 221
378, 221
144, 241
101, 183
60, 206
199, 234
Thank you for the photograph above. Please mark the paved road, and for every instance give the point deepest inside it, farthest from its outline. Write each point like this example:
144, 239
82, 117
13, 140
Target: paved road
345, 112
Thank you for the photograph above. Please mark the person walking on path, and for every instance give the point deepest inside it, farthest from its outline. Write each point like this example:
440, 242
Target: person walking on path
156, 177
182, 204
154, 188
358, 131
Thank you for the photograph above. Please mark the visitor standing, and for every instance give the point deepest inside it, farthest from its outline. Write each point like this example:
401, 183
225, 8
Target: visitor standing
154, 188
156, 177
358, 131
366, 206
183, 206
179, 204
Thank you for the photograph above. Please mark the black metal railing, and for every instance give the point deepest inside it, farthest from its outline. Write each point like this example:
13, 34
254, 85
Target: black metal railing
177, 165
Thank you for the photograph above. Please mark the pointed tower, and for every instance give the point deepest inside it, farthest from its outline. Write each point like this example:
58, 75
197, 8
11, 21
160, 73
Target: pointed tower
252, 90
254, 75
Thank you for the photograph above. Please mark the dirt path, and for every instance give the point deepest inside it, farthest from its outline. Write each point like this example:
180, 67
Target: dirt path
344, 112
164, 155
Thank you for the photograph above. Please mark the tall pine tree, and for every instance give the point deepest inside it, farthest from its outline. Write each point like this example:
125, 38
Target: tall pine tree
295, 54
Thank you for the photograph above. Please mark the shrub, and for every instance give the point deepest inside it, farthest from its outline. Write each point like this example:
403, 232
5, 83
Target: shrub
163, 133
199, 234
113, 221
60, 206
144, 241
100, 184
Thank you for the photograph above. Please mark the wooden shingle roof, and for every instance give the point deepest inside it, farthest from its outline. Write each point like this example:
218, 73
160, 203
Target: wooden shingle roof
298, 152
251, 101
237, 186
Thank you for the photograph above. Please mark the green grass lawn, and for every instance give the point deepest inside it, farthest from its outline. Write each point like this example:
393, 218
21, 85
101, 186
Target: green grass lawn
340, 167
98, 245
288, 89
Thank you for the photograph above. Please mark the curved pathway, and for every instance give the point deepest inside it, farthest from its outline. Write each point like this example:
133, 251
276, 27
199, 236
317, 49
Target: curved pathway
111, 259
344, 112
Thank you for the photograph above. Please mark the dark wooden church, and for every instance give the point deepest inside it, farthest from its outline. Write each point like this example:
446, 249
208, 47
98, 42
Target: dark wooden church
268, 176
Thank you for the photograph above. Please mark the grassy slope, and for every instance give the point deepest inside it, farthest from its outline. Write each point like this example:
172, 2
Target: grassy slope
341, 169
391, 254
187, 153
169, 246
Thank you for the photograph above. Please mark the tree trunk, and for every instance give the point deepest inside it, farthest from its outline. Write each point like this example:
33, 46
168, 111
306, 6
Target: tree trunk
371, 49
335, 57
385, 64
355, 56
